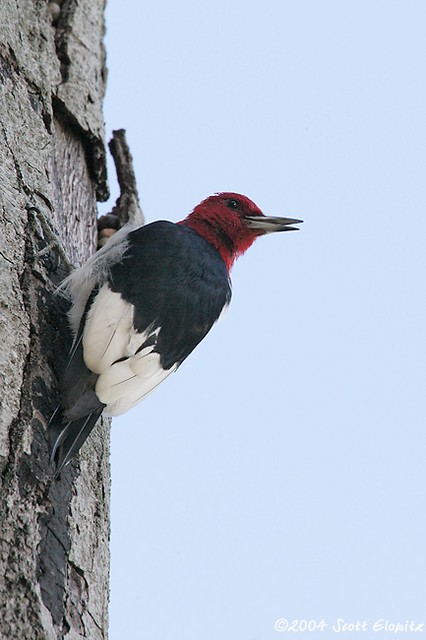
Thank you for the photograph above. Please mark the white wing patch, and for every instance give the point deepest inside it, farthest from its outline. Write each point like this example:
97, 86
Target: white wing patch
110, 347
121, 388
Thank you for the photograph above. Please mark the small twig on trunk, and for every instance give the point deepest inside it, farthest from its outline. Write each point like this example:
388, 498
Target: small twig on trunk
127, 207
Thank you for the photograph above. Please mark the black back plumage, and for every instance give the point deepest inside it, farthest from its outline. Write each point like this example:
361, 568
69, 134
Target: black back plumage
178, 282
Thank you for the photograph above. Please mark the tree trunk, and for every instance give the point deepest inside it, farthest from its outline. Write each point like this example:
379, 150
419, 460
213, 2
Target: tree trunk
54, 557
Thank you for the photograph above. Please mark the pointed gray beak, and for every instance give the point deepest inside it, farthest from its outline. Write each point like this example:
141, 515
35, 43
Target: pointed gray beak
269, 224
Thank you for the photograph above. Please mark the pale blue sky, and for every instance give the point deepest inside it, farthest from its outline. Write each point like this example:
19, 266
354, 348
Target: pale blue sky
280, 473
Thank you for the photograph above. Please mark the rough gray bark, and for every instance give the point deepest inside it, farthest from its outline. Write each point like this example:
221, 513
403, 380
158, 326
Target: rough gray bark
54, 557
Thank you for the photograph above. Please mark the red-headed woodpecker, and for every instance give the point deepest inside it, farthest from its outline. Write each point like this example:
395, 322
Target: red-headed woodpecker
143, 303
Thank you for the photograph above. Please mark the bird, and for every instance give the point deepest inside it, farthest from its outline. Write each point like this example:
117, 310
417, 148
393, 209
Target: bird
140, 306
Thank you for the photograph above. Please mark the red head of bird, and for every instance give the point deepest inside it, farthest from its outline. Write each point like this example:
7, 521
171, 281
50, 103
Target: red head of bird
231, 222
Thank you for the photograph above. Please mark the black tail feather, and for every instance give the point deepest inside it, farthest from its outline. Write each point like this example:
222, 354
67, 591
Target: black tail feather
68, 437
79, 407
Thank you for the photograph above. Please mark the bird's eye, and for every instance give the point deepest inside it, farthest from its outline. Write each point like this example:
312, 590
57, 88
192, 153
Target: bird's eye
232, 204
